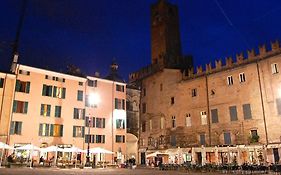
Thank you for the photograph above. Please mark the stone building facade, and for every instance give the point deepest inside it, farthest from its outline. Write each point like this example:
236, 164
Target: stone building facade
220, 114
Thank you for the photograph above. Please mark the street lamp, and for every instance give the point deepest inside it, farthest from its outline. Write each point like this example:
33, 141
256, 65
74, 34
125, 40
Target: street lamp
93, 101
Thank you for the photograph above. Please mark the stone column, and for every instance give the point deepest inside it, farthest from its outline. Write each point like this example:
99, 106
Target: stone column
216, 155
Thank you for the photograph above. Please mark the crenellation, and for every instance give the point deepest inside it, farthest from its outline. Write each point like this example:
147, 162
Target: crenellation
275, 45
251, 54
208, 68
218, 64
199, 70
190, 72
228, 62
239, 58
262, 50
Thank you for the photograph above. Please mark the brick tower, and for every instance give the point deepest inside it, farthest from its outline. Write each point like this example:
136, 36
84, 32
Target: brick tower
165, 35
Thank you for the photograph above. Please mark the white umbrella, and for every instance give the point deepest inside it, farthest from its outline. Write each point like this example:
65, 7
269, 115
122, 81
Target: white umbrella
31, 148
52, 149
155, 154
74, 149
3, 146
28, 147
99, 150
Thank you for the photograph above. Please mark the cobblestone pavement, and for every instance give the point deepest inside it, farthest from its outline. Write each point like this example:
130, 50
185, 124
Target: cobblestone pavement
55, 171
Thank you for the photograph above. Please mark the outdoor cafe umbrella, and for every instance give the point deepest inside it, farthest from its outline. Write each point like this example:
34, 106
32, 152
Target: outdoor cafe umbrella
30, 148
155, 154
99, 150
74, 149
52, 149
3, 146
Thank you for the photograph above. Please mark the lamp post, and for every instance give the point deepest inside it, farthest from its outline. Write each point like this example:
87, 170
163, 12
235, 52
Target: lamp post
88, 164
93, 100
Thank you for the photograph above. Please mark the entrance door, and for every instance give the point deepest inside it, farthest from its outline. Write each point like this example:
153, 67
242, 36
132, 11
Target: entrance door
142, 158
199, 156
276, 155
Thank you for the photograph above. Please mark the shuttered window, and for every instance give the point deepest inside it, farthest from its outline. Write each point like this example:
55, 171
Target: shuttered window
247, 111
233, 113
214, 113
227, 138
45, 110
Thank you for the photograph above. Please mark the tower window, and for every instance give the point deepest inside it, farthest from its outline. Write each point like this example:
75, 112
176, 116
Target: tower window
242, 77
172, 100
274, 68
194, 92
229, 80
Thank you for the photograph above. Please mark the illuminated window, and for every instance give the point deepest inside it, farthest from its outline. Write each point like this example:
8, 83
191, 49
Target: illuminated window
120, 124
78, 131
44, 129
203, 117
188, 120
162, 122
59, 92
79, 113
56, 130
194, 92
150, 124
45, 110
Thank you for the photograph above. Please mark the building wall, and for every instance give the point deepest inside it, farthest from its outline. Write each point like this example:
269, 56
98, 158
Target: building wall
31, 120
6, 96
260, 90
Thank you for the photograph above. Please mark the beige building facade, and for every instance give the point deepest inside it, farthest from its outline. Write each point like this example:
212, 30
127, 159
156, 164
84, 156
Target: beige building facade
222, 113
51, 108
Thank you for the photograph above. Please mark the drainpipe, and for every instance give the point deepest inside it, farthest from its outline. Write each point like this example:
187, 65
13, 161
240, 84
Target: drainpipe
208, 110
112, 123
262, 104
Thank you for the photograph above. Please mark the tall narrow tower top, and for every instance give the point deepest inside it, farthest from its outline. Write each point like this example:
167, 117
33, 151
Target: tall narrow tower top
165, 35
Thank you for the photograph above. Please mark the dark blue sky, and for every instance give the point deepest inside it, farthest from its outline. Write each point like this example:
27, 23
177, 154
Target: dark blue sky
89, 33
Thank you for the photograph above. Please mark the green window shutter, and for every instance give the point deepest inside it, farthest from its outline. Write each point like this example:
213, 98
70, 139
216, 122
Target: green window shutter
44, 90
25, 107
27, 87
75, 113
18, 86
214, 114
61, 130
19, 127
47, 129
40, 129
42, 109
116, 103
83, 131
123, 139
103, 138
233, 113
247, 111
12, 128
94, 120
103, 122
83, 114
58, 111
55, 92
15, 106
63, 93
48, 110
51, 129
50, 88
74, 131
123, 104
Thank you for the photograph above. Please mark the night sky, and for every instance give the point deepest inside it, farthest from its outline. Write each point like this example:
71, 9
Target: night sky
90, 33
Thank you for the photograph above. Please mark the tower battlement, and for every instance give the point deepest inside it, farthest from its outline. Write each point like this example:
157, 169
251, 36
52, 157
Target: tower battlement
252, 56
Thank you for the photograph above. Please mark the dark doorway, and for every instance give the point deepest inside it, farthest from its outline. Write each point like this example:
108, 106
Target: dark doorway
276, 155
143, 158
199, 157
